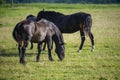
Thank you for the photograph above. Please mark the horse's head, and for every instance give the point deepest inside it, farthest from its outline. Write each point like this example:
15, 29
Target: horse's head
60, 50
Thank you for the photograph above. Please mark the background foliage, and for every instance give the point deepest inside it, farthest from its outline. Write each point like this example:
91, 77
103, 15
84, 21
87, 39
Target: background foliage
63, 1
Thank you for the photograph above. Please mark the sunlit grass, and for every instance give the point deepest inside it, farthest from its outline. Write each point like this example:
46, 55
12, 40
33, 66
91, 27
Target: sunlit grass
103, 64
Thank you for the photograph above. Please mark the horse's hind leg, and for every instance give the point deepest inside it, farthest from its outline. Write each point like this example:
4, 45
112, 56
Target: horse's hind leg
22, 56
82, 40
92, 41
39, 51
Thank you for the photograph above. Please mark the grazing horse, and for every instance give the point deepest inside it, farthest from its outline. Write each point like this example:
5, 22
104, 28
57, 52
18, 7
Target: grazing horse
71, 23
33, 18
37, 32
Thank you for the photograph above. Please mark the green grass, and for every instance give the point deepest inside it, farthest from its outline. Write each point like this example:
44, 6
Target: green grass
103, 64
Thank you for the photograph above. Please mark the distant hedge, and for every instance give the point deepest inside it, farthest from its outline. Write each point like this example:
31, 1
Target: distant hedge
63, 1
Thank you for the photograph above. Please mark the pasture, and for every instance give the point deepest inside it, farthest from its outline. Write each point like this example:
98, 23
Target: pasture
102, 64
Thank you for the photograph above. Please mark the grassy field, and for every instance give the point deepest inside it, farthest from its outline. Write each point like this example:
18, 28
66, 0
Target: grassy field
102, 64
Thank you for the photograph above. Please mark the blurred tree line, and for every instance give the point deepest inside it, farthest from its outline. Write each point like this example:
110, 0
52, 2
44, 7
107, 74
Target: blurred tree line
62, 1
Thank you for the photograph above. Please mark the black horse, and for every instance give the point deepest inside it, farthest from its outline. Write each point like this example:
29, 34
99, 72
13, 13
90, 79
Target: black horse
71, 23
37, 32
31, 17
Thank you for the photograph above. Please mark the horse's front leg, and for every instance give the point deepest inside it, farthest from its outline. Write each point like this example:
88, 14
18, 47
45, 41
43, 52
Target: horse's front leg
49, 45
92, 41
31, 46
39, 51
22, 55
82, 40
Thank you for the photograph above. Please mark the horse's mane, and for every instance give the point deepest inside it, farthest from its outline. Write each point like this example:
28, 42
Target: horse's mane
53, 13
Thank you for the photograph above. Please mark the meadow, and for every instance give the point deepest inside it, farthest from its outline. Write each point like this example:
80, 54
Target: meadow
102, 64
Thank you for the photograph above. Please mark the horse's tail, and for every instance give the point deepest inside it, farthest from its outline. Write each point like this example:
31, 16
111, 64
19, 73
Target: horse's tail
88, 24
16, 32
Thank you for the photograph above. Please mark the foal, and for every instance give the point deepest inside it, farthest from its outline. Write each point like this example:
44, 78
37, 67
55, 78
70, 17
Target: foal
37, 32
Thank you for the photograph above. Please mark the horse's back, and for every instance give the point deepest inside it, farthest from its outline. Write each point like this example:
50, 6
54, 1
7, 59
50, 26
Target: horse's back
66, 23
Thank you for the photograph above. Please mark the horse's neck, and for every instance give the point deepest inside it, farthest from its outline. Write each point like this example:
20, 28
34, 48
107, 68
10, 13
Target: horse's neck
58, 40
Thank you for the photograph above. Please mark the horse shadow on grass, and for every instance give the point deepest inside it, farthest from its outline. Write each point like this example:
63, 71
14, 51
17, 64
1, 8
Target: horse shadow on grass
13, 53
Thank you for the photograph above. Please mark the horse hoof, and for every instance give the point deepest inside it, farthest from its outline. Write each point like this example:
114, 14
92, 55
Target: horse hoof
79, 51
92, 50
37, 60
23, 62
61, 59
31, 48
93, 47
51, 59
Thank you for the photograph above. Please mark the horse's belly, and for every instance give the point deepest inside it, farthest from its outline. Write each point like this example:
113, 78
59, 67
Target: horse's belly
68, 30
36, 39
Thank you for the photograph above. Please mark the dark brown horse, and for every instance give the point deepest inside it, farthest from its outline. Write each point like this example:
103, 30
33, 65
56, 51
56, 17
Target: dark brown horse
71, 23
37, 32
34, 18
